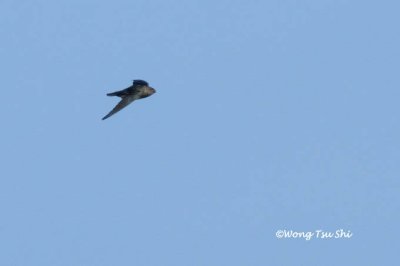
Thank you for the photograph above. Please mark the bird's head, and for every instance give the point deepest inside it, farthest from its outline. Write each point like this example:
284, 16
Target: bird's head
149, 90
144, 86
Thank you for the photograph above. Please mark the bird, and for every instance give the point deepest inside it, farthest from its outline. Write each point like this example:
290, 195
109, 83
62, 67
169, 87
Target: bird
139, 89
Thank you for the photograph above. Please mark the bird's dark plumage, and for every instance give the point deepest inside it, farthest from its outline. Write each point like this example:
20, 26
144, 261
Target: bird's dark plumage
140, 82
139, 89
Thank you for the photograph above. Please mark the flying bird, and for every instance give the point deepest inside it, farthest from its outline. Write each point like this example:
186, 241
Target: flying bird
139, 89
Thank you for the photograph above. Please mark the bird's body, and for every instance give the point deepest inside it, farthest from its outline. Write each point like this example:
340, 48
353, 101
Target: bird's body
139, 89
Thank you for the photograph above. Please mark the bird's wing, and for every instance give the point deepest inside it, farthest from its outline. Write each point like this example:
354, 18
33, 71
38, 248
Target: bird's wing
123, 103
122, 93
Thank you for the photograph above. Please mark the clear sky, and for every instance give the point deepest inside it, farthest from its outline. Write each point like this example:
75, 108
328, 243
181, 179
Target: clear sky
269, 115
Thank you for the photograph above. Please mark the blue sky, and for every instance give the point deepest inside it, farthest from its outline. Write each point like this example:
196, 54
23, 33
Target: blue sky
269, 115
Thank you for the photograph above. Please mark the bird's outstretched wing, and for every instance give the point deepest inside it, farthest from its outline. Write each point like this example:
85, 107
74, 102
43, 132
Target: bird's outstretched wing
122, 93
123, 103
